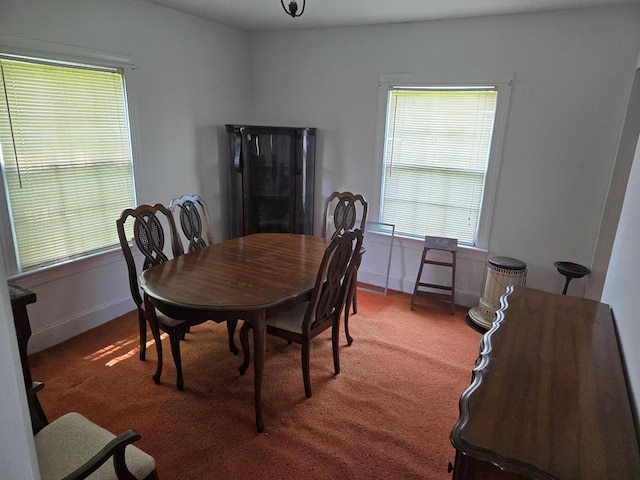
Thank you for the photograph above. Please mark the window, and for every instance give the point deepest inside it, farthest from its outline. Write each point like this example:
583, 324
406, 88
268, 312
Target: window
65, 157
439, 158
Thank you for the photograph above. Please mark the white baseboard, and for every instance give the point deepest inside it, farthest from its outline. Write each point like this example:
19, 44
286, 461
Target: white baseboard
402, 284
70, 327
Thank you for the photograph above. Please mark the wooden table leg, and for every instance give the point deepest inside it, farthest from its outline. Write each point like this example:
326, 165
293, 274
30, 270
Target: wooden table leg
259, 347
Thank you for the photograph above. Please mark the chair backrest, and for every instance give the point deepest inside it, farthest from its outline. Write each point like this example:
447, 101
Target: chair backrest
194, 221
329, 292
149, 224
343, 211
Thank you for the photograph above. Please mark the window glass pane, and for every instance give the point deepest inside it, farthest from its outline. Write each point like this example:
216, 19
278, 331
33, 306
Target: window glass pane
437, 146
66, 159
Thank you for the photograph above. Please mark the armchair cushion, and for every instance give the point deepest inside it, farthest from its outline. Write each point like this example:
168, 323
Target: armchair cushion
67, 443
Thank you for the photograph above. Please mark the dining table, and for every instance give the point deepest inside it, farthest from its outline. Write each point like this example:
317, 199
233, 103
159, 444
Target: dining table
242, 278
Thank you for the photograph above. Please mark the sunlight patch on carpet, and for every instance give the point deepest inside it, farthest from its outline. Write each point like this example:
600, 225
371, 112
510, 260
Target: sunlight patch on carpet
117, 346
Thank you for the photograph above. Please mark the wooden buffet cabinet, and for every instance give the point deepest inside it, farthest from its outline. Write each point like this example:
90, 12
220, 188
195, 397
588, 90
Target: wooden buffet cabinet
548, 397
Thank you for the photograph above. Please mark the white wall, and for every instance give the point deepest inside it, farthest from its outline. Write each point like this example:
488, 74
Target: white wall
17, 450
573, 72
191, 77
621, 285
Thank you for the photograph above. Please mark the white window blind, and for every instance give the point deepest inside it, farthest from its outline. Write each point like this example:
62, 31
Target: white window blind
436, 154
66, 159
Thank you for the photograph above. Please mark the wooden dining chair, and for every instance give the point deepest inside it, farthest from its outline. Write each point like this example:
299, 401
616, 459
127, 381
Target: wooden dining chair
147, 224
143, 227
345, 211
193, 215
306, 320
194, 221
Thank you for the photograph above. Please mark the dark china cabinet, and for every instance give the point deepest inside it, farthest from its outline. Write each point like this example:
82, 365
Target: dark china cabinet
271, 179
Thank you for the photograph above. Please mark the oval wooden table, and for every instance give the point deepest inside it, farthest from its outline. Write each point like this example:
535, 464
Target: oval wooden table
242, 278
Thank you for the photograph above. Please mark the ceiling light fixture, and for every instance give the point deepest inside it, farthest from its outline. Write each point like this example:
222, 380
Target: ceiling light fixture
293, 8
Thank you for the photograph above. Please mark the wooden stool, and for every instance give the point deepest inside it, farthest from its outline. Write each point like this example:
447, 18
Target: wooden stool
443, 244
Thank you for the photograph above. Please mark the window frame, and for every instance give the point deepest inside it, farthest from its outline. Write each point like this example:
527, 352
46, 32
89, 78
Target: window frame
503, 85
34, 49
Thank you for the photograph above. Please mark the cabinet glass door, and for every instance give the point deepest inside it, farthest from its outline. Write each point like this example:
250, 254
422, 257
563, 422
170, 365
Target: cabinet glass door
268, 178
271, 179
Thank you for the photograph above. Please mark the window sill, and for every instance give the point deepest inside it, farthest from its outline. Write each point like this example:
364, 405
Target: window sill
72, 267
413, 243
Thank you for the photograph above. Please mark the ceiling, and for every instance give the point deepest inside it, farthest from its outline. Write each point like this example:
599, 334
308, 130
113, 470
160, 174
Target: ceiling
266, 15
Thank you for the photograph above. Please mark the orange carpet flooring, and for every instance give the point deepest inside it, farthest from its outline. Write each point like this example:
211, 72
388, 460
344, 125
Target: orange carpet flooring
387, 415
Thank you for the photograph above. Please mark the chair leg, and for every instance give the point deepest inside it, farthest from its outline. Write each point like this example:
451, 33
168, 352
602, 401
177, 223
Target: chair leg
351, 299
346, 323
174, 339
143, 334
335, 343
183, 334
231, 329
355, 286
306, 372
355, 296
155, 331
246, 351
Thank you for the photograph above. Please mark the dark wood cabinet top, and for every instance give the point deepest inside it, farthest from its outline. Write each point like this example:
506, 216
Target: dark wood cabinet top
269, 128
20, 296
548, 397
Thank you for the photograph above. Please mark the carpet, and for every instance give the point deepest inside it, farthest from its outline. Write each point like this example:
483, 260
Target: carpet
388, 414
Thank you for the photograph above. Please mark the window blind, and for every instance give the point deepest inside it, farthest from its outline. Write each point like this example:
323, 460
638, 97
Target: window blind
66, 159
437, 147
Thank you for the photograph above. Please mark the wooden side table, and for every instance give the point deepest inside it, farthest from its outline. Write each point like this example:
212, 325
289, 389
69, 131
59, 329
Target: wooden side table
431, 290
20, 298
